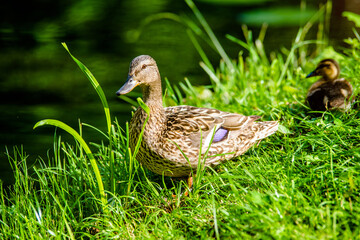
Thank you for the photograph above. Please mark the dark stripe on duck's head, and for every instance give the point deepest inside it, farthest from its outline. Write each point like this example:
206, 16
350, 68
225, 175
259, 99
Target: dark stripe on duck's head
220, 134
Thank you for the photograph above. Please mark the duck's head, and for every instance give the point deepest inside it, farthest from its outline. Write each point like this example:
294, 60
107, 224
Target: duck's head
328, 68
143, 71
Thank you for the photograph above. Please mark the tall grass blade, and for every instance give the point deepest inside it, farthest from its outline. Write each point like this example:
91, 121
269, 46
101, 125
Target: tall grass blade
216, 227
129, 100
291, 55
211, 34
143, 106
95, 84
104, 102
86, 148
211, 74
200, 50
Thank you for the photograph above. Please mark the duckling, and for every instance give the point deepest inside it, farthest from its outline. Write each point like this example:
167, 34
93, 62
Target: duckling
175, 138
329, 92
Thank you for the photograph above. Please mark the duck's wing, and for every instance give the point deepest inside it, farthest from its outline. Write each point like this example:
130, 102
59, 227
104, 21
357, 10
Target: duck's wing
344, 87
324, 95
192, 126
340, 93
316, 87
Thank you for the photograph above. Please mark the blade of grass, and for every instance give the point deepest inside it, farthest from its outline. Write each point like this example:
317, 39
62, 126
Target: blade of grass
216, 227
211, 34
211, 74
104, 102
200, 50
87, 150
95, 84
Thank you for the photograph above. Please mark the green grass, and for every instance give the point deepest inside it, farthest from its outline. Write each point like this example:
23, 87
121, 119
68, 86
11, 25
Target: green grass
300, 183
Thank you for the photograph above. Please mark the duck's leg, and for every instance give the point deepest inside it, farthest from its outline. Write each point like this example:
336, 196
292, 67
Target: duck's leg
190, 183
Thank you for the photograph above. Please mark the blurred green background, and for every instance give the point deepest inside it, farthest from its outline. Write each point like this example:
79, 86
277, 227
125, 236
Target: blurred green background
38, 79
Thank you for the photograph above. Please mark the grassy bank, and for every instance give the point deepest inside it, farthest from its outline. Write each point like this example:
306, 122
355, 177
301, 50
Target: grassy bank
300, 183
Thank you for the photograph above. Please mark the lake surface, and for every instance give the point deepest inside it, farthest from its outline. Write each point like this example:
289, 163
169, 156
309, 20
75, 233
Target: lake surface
39, 80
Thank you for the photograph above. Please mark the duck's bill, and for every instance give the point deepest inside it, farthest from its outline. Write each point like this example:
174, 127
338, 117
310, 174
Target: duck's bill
128, 86
312, 74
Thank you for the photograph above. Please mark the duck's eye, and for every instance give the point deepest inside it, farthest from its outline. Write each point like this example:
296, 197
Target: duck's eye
143, 66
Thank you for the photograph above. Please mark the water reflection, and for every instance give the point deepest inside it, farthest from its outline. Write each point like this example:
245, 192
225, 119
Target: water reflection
38, 79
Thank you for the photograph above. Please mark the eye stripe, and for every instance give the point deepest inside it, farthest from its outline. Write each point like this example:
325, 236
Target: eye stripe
143, 66
323, 65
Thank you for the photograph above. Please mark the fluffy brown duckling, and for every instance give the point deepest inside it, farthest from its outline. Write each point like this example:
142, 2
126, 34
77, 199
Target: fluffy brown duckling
329, 92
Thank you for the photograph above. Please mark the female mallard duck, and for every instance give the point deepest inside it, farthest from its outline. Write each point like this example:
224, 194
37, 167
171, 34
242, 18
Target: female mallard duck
174, 136
329, 92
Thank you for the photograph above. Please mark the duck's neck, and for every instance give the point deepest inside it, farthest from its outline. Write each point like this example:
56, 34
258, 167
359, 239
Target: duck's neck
152, 94
153, 99
330, 78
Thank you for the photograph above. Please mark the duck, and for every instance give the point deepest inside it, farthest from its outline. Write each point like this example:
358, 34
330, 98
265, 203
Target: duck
176, 138
329, 92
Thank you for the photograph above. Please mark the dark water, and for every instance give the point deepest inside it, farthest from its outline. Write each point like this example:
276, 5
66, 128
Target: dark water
38, 79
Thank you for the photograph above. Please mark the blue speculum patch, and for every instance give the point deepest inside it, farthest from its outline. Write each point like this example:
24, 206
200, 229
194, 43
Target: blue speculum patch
220, 134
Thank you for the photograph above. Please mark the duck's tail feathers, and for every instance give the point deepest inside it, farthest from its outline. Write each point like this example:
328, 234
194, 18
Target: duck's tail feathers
266, 129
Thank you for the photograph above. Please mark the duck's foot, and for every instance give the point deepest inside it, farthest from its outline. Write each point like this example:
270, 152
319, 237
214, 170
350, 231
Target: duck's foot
189, 185
175, 202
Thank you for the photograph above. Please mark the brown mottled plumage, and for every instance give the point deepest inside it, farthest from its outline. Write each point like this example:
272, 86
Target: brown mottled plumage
329, 92
185, 127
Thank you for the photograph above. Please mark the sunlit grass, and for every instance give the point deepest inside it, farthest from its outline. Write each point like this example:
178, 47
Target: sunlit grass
300, 183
